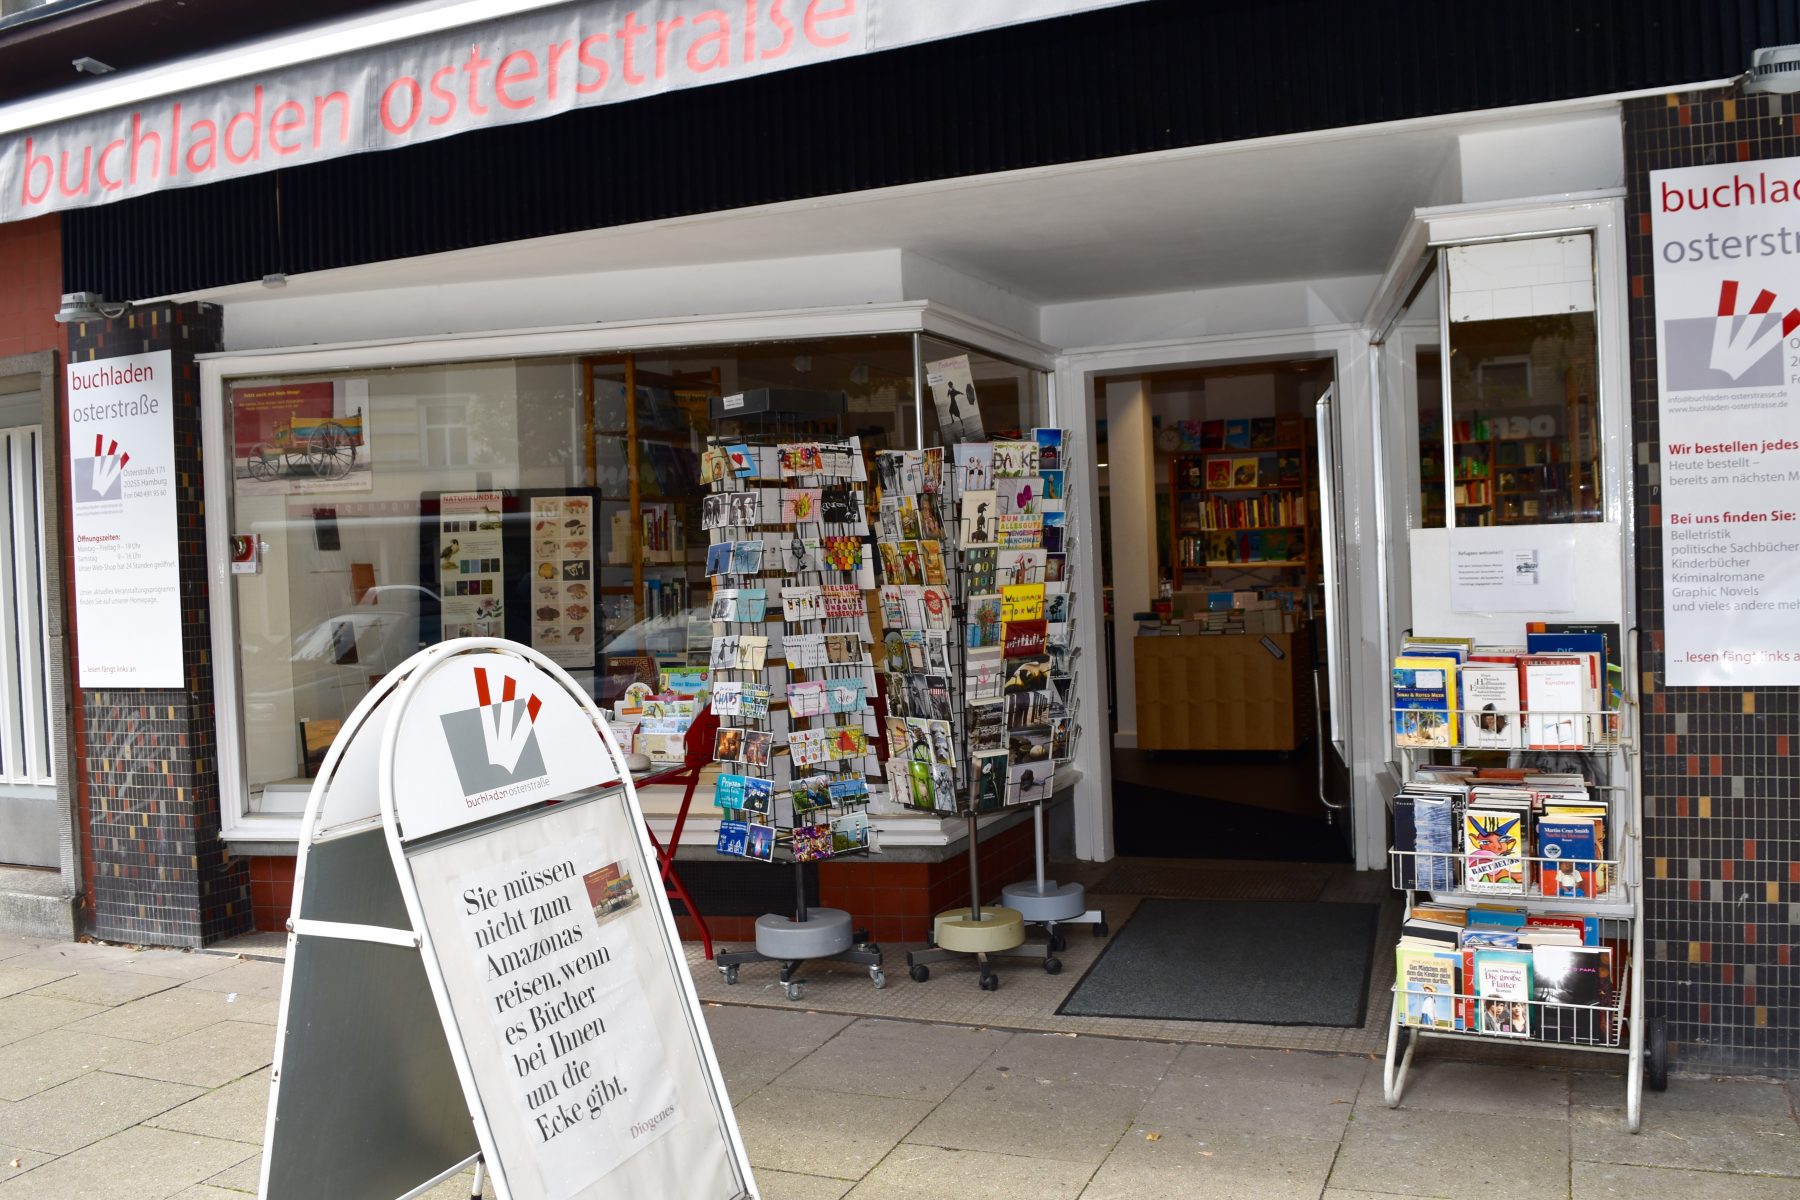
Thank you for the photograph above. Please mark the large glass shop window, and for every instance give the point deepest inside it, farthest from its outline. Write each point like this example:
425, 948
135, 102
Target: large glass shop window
552, 501
1523, 376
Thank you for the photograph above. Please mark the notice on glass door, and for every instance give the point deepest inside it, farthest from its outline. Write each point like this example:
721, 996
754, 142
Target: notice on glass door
126, 541
1728, 364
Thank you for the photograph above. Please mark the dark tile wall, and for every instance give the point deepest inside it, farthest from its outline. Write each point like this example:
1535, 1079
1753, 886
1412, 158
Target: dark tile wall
1721, 765
161, 874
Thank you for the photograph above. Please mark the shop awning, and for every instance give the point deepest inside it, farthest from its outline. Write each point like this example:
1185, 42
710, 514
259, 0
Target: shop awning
423, 72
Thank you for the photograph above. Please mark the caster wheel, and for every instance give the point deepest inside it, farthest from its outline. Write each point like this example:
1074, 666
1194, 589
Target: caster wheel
1656, 1054
860, 937
1058, 942
1101, 930
878, 978
920, 972
730, 974
990, 983
795, 991
1053, 966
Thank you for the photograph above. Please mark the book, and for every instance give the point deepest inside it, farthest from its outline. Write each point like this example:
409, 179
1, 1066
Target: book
1557, 691
1490, 705
1493, 851
1502, 992
1571, 984
1212, 435
1218, 472
1237, 434
1425, 702
1243, 472
1425, 986
1567, 850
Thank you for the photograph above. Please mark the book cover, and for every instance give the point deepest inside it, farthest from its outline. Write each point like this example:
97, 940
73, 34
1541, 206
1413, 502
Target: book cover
1243, 472
1262, 433
1493, 851
1212, 435
1490, 705
1425, 984
1556, 691
1237, 433
1218, 472
1425, 702
1567, 850
1503, 992
1570, 984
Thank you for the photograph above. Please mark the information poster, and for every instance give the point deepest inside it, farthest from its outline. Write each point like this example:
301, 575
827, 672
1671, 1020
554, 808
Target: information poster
1511, 569
1728, 364
562, 579
471, 565
122, 480
296, 438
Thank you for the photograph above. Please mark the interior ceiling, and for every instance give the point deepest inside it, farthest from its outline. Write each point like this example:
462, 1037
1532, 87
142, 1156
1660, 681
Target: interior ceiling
1314, 208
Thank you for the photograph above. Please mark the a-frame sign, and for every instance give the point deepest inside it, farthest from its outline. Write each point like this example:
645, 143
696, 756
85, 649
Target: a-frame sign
482, 960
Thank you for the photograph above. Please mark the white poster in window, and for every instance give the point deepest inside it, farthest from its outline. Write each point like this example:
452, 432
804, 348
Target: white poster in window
1512, 569
122, 515
1728, 368
562, 579
953, 392
471, 565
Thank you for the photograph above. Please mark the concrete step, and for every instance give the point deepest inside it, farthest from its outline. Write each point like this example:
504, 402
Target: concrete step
34, 904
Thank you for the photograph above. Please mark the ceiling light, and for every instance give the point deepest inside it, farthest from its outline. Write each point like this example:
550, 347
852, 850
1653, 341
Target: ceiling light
78, 307
1774, 69
91, 66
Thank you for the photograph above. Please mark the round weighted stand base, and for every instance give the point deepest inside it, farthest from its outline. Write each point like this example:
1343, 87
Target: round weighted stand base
1054, 903
825, 932
998, 929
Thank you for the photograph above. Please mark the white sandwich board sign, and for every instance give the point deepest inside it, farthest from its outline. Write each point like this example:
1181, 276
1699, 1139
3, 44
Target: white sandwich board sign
482, 960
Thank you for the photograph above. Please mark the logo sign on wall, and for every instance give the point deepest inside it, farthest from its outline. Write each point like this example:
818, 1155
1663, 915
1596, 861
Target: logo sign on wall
541, 1013
1728, 345
122, 515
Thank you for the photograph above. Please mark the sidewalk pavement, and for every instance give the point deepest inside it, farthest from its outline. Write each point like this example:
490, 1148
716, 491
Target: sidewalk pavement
144, 1075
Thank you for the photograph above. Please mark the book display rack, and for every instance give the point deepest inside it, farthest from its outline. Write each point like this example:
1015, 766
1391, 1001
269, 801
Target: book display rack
792, 679
1522, 876
978, 654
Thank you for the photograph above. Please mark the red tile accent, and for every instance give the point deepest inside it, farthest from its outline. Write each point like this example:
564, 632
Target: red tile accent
1743, 151
1681, 802
1715, 764
1749, 843
1750, 995
1637, 289
1727, 974
1781, 740
1693, 884
1685, 114
1784, 955
1706, 1014
1693, 764
1727, 870
1668, 740
1749, 935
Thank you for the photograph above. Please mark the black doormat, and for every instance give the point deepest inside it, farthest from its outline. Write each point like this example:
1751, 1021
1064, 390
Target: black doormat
1151, 822
1214, 881
1248, 962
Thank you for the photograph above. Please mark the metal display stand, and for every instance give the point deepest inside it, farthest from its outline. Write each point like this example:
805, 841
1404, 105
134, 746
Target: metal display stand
1618, 1027
1043, 901
810, 935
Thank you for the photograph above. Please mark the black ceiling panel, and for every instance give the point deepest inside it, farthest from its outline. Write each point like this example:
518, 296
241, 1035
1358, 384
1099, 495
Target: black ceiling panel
1144, 77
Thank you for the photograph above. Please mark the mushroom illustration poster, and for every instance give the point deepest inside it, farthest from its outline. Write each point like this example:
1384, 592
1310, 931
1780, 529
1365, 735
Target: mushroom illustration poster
122, 485
1728, 365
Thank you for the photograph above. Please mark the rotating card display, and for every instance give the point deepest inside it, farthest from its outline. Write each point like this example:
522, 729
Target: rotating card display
789, 562
977, 647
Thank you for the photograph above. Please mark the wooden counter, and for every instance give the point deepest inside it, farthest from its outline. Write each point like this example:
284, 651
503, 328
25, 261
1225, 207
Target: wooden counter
1223, 692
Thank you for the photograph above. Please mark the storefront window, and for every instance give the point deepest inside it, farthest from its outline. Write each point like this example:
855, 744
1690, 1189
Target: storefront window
552, 501
1523, 383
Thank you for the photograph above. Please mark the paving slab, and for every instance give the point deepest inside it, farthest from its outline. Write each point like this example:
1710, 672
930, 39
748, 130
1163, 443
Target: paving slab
43, 1060
1701, 1141
23, 1015
824, 1133
244, 1177
755, 1045
246, 978
236, 1111
1332, 1193
1418, 1152
929, 1172
87, 1109
92, 985
1595, 1181
209, 1057
1725, 1094
14, 980
1443, 1085
787, 1185
163, 1017
137, 1164
11, 945
1226, 1166
905, 1059
27, 1160
179, 965
76, 956
1218, 1089
1049, 1097
201, 1191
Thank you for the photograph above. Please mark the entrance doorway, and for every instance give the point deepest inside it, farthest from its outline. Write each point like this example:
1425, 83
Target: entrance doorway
1217, 535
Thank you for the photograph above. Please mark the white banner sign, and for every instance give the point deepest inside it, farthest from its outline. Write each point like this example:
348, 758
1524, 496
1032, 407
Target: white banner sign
521, 68
122, 515
1728, 364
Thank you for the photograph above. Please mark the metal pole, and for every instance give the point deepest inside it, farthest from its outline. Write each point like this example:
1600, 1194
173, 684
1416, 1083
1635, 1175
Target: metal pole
1037, 830
974, 872
799, 893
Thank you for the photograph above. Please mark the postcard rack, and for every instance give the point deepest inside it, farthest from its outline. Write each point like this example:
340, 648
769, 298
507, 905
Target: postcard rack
792, 680
1615, 1025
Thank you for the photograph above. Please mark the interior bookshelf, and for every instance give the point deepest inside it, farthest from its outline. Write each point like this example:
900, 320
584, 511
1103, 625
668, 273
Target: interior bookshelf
1244, 509
1508, 480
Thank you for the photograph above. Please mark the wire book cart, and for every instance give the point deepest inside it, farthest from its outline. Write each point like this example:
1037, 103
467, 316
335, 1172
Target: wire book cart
1616, 1025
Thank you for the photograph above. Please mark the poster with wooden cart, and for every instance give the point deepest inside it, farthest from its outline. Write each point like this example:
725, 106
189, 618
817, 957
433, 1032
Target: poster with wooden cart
293, 438
482, 965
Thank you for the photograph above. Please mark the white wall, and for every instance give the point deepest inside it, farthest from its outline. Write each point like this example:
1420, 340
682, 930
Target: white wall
1216, 312
1548, 158
1131, 465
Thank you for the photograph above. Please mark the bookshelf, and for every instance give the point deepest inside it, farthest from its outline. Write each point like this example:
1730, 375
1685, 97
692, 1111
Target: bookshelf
1244, 508
1506, 478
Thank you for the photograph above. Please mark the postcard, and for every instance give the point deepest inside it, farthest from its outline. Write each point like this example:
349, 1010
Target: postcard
973, 466
812, 842
762, 843
979, 524
733, 837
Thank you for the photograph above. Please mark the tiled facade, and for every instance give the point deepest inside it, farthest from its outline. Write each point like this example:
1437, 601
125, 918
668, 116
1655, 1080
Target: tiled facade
1721, 765
160, 873
31, 290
